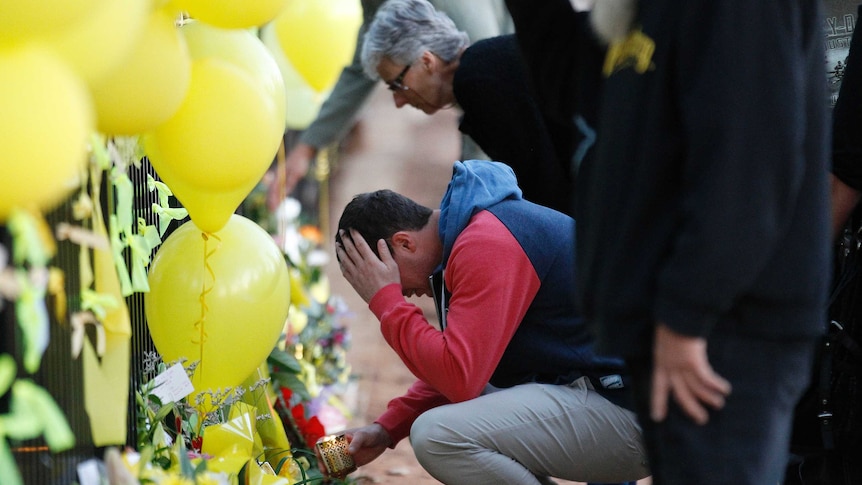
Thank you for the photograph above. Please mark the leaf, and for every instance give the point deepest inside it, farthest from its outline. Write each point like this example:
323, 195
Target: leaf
294, 383
285, 361
163, 412
186, 467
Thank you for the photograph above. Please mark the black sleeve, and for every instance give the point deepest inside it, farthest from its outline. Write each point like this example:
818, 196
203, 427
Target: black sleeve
548, 41
847, 119
505, 121
564, 60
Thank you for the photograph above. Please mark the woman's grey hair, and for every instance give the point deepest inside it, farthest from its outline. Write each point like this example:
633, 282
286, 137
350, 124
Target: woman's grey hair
403, 29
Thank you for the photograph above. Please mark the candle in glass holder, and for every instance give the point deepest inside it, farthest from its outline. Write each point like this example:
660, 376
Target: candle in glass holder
333, 452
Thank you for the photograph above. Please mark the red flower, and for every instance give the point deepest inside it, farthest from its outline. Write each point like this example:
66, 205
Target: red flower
197, 443
311, 429
298, 413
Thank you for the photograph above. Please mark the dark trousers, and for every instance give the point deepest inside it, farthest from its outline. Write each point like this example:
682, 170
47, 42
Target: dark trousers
745, 443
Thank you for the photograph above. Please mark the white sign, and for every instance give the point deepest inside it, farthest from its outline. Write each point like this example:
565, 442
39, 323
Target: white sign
173, 384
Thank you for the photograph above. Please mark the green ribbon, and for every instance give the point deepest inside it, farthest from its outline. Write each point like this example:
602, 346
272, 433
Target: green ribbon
140, 249
7, 373
163, 209
149, 233
99, 151
125, 194
117, 247
98, 303
168, 214
32, 319
8, 467
34, 412
28, 246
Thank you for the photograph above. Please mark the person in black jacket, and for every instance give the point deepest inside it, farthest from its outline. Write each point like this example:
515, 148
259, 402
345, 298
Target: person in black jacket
704, 241
429, 64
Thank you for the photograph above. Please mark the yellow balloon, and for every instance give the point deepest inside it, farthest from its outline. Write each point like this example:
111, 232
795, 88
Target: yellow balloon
47, 117
21, 20
148, 88
319, 37
234, 14
219, 143
221, 301
210, 209
302, 102
242, 49
100, 41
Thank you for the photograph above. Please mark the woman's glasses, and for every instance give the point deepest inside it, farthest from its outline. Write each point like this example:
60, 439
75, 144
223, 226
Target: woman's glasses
397, 83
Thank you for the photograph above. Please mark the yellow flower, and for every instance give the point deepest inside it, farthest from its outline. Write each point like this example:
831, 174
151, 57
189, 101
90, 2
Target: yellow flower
296, 320
176, 480
208, 479
298, 294
320, 290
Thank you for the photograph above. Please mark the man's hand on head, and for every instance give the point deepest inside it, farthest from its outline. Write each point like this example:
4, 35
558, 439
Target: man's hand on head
365, 272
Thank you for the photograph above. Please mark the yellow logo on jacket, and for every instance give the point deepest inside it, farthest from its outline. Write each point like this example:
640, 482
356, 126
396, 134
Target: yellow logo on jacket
634, 51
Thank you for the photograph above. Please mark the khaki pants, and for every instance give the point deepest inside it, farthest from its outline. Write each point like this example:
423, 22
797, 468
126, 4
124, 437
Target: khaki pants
513, 435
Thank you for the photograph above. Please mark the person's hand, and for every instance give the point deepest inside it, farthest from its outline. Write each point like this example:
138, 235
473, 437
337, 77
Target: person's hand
296, 164
365, 272
681, 368
367, 443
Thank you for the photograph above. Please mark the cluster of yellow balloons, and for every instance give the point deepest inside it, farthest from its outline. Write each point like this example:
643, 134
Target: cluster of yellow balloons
209, 101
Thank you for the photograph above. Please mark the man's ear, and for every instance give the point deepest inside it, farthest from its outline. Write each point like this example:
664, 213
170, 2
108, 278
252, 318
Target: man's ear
402, 240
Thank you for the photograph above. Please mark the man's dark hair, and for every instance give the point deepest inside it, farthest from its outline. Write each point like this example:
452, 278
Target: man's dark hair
379, 215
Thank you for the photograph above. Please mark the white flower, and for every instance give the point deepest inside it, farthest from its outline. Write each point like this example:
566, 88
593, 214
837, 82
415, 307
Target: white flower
317, 258
288, 211
290, 245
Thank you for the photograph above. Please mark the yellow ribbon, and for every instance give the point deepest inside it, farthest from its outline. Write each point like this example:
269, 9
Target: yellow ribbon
200, 324
82, 208
106, 280
57, 288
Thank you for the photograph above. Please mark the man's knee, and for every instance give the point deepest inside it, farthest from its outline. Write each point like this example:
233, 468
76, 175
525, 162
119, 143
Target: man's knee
432, 437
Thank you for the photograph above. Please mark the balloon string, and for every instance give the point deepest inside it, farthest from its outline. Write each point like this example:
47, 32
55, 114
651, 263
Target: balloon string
200, 324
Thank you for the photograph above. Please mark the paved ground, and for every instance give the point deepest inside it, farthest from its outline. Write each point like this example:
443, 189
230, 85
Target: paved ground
411, 153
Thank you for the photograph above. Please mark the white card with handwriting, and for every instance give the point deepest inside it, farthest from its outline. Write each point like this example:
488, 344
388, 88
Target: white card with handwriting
173, 384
